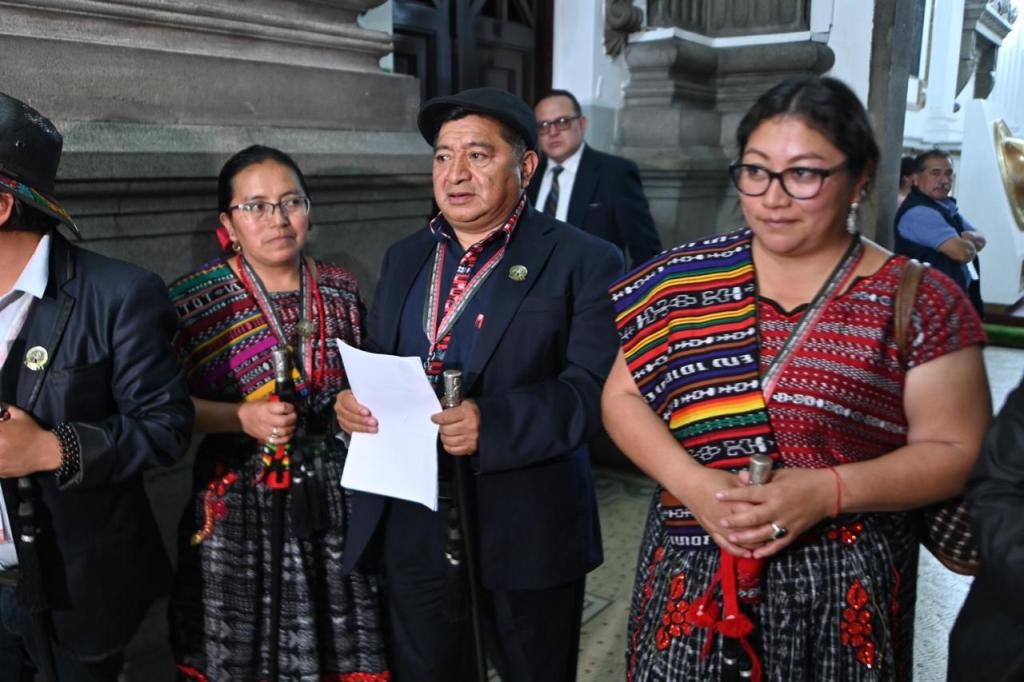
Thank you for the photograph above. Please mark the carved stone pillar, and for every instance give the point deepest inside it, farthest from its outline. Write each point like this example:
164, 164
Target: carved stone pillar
691, 79
731, 18
153, 96
986, 23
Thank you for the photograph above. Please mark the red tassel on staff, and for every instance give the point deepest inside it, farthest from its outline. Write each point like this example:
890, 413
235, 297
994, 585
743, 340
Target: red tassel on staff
277, 462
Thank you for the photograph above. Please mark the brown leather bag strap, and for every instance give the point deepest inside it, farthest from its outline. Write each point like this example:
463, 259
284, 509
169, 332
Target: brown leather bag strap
903, 306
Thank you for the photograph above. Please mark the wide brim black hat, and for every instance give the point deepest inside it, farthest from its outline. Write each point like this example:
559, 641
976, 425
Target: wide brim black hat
498, 104
30, 148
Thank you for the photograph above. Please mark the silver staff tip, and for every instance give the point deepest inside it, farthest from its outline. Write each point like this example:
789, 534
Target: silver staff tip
760, 469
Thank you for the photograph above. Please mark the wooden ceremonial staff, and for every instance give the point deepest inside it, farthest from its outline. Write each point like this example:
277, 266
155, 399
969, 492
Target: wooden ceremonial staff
463, 503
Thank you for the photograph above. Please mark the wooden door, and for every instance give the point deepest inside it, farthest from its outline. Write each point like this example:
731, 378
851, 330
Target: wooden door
451, 45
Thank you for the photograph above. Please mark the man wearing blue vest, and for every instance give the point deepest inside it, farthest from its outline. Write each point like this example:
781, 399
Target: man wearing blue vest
930, 228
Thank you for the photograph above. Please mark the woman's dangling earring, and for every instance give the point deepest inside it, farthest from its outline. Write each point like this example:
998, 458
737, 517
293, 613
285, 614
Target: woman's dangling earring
851, 218
236, 247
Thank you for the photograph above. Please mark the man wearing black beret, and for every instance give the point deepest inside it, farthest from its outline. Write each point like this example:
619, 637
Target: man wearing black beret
90, 395
517, 301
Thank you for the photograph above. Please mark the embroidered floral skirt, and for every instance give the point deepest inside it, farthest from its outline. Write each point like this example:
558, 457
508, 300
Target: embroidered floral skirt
220, 607
838, 604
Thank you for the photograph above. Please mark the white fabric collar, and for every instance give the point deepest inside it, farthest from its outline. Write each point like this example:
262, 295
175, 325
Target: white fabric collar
570, 164
36, 272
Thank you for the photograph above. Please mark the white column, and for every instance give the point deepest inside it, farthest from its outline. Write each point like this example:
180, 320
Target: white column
937, 124
849, 36
581, 66
1007, 96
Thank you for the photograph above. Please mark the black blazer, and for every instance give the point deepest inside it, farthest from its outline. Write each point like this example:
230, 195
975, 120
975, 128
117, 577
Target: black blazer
107, 328
608, 202
536, 374
987, 640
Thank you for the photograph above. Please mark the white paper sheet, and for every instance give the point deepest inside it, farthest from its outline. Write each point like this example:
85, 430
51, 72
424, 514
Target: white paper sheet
400, 460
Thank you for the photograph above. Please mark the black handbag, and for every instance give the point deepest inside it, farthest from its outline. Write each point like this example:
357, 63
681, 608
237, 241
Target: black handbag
944, 527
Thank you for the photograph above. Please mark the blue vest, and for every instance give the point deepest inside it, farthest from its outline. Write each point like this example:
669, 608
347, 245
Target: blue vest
934, 257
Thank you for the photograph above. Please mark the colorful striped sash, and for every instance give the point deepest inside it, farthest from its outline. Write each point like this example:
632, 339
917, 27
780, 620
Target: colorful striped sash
224, 340
687, 322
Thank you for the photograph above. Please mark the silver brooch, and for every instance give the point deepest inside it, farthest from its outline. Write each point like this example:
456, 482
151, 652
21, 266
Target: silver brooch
36, 358
518, 273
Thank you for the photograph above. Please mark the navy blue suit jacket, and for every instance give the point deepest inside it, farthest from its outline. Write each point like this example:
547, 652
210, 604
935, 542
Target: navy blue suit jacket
536, 373
107, 327
608, 201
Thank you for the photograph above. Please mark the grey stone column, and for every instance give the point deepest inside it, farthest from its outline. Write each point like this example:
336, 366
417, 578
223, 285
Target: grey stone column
887, 106
153, 96
686, 96
986, 23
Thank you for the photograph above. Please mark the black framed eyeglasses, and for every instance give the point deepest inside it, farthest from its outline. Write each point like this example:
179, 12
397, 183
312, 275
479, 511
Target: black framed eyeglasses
798, 182
561, 123
264, 210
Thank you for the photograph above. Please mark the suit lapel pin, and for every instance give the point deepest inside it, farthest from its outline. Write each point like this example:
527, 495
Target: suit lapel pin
36, 358
517, 273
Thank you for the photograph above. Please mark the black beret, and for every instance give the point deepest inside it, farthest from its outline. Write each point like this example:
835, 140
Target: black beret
503, 106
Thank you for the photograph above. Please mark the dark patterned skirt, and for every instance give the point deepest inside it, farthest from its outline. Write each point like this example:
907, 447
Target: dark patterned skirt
220, 607
838, 604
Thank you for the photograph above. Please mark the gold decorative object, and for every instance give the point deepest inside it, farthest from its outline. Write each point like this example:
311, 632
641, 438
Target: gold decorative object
1010, 154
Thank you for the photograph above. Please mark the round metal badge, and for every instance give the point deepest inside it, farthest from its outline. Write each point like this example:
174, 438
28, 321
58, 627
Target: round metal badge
517, 273
36, 358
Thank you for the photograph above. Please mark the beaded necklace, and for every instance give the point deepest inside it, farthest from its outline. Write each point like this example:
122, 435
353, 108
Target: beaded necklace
309, 295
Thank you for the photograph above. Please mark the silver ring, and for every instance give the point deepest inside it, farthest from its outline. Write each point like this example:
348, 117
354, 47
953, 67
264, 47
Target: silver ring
778, 531
273, 432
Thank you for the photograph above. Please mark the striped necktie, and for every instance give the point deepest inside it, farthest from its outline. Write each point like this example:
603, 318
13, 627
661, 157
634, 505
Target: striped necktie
551, 203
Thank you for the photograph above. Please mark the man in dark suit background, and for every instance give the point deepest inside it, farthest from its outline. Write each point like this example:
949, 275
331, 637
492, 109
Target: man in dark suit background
597, 192
534, 340
90, 395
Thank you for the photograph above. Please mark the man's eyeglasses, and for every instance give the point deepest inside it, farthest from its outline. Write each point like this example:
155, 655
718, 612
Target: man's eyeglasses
258, 211
798, 182
561, 123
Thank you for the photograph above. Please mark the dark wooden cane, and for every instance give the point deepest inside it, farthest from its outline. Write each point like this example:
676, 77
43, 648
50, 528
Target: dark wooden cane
463, 504
30, 583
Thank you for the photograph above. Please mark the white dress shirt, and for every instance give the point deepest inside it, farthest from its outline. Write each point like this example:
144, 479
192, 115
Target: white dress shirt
565, 183
14, 308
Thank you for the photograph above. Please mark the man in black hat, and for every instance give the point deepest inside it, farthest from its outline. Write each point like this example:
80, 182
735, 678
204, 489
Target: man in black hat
517, 301
90, 395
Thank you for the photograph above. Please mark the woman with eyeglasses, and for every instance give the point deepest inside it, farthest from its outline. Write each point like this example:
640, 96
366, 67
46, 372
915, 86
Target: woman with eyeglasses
265, 294
772, 349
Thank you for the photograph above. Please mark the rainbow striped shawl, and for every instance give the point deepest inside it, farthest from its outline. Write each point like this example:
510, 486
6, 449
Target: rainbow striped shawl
687, 323
223, 339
